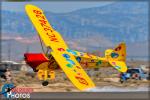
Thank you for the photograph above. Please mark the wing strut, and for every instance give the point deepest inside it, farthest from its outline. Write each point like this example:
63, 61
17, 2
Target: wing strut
41, 44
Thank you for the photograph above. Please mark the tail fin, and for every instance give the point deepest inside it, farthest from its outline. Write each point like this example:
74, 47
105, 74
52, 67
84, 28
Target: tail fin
121, 51
118, 53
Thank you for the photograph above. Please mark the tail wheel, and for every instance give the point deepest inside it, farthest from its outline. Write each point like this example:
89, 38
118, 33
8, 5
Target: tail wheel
45, 83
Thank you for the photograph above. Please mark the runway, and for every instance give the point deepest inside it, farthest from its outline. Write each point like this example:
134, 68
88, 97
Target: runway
90, 95
87, 95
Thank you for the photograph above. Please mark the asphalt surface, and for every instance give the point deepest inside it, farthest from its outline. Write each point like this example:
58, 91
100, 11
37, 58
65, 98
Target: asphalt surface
89, 95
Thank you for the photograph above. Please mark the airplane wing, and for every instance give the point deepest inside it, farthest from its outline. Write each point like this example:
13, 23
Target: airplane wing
50, 37
119, 65
53, 39
73, 70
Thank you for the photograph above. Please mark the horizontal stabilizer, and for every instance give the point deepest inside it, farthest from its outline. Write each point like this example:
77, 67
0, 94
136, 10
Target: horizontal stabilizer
119, 65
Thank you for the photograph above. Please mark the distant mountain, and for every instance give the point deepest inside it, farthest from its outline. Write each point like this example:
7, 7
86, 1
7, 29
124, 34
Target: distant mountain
86, 29
120, 21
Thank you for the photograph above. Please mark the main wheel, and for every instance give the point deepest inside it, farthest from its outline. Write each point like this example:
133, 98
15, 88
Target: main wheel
45, 83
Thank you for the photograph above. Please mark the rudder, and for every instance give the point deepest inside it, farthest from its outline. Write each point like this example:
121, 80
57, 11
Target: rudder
121, 51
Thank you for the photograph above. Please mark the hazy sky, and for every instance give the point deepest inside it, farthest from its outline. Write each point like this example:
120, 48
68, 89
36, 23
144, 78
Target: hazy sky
54, 6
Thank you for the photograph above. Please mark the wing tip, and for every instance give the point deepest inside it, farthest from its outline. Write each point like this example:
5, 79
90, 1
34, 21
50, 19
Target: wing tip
28, 6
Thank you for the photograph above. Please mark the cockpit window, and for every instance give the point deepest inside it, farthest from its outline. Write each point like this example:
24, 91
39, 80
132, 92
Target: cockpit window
114, 55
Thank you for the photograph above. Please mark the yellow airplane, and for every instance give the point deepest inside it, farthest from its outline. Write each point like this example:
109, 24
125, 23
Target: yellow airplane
58, 55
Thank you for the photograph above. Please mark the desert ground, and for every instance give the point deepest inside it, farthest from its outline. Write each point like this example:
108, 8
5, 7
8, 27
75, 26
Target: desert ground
105, 78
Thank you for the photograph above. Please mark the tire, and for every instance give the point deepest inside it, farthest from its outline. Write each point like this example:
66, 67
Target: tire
45, 83
140, 78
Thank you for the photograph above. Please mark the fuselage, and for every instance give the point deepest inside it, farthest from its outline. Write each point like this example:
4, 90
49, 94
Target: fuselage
38, 60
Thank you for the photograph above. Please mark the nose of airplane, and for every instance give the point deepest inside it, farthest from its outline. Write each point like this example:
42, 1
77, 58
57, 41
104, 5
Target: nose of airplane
35, 59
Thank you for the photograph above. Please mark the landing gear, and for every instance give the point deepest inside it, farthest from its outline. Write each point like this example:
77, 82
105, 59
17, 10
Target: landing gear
45, 83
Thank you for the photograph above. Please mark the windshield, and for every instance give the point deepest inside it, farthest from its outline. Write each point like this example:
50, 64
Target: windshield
133, 71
